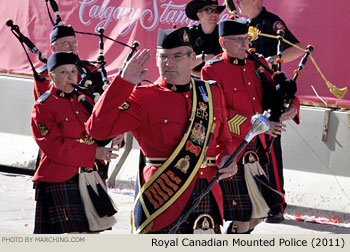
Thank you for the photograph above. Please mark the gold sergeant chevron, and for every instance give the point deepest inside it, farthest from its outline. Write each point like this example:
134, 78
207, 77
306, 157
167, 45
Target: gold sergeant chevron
235, 123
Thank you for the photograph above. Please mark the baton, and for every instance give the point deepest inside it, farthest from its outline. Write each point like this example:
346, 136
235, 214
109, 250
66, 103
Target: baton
259, 124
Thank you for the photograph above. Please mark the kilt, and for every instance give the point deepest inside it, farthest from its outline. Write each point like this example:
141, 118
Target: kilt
59, 208
207, 205
236, 201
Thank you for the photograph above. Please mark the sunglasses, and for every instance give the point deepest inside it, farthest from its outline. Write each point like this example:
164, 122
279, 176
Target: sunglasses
210, 10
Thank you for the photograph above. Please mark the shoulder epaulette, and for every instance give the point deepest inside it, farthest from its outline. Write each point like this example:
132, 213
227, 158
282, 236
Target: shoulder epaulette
211, 82
42, 69
214, 60
43, 97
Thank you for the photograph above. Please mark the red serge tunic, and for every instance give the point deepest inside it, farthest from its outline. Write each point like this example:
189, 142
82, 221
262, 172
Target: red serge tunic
157, 117
243, 94
57, 125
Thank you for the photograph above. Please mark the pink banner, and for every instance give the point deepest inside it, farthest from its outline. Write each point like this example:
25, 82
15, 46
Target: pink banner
323, 25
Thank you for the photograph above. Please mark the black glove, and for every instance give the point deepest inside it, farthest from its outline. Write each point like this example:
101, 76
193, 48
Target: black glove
279, 77
288, 89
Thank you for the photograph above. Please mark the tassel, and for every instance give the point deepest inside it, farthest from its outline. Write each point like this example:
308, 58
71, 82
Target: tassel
93, 203
96, 202
108, 206
259, 205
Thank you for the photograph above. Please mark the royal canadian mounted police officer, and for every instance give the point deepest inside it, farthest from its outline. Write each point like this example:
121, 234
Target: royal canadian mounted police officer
57, 123
243, 96
270, 23
172, 121
63, 39
205, 36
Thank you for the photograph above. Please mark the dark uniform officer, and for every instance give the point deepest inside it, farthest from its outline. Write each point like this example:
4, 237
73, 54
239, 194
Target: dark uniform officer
270, 23
205, 36
243, 95
57, 123
159, 116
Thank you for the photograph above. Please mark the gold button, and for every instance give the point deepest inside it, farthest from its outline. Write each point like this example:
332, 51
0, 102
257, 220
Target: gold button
244, 69
249, 83
256, 113
67, 119
186, 95
214, 118
165, 121
201, 173
71, 99
235, 89
77, 112
254, 98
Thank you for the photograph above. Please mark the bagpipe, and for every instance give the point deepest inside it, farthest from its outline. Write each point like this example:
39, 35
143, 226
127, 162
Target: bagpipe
337, 92
278, 96
254, 33
93, 78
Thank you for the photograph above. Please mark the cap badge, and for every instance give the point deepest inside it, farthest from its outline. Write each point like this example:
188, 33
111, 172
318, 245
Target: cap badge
185, 37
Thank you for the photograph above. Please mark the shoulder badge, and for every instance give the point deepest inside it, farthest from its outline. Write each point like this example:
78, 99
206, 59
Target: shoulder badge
43, 129
42, 69
124, 106
278, 25
214, 60
43, 97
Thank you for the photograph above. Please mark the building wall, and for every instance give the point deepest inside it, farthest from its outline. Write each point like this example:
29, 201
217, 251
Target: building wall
317, 173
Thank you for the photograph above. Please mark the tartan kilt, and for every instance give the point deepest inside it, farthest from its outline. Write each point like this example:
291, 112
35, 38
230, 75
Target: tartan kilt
207, 205
59, 208
236, 201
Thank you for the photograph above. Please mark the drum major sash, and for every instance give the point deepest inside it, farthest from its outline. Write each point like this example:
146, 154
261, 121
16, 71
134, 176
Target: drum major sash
175, 175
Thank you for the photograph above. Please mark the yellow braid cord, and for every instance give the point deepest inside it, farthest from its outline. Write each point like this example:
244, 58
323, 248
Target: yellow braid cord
229, 10
337, 92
